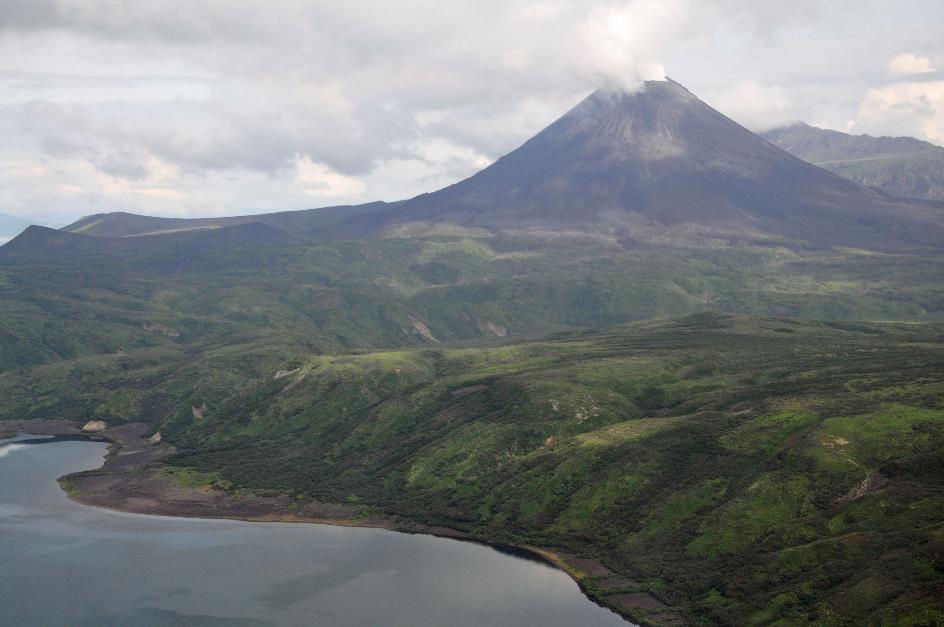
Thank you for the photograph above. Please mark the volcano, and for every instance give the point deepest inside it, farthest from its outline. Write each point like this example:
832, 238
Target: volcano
661, 159
657, 163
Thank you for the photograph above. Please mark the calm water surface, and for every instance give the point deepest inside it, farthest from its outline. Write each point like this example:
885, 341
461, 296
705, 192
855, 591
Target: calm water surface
66, 564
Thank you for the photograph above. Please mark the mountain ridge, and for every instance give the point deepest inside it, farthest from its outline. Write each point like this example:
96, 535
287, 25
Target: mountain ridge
659, 158
653, 164
125, 224
903, 167
37, 244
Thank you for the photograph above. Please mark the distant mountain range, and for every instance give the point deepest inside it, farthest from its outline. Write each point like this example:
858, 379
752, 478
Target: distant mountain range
656, 164
121, 224
37, 241
899, 166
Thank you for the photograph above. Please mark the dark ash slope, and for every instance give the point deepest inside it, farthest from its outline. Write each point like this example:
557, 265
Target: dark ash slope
663, 158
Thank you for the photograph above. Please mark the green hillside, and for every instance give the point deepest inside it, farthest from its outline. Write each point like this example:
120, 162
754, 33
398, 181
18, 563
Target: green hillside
68, 301
744, 470
741, 469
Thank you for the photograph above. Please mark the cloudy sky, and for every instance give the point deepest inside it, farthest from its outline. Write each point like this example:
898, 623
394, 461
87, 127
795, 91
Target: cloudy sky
211, 107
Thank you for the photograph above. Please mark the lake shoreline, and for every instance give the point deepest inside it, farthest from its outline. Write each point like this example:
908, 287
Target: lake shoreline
131, 480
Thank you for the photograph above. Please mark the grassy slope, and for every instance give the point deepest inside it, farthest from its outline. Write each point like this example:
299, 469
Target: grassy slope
711, 460
332, 297
706, 459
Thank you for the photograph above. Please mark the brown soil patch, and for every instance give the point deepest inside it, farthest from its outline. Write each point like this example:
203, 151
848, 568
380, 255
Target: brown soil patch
491, 328
163, 329
637, 600
131, 481
615, 582
472, 389
38, 427
288, 388
666, 618
592, 567
284, 373
872, 482
422, 329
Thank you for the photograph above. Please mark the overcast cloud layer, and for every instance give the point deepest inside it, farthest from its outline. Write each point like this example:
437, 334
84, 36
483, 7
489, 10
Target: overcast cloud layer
211, 107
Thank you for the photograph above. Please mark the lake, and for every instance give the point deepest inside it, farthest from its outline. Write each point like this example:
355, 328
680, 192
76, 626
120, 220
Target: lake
62, 563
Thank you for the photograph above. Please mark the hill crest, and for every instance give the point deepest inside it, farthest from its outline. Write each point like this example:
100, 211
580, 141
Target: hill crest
899, 166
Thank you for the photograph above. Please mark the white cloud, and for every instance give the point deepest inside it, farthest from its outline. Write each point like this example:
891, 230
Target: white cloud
908, 63
911, 108
190, 107
320, 181
625, 44
339, 85
756, 106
